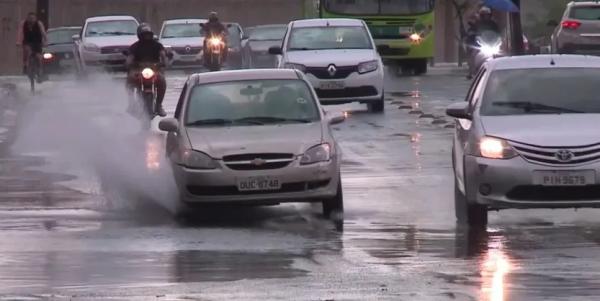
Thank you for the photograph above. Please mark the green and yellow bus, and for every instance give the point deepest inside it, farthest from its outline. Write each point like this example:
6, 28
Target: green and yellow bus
402, 29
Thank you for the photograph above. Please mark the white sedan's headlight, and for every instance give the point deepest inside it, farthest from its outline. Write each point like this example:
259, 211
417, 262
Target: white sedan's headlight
91, 47
316, 154
298, 67
197, 160
367, 67
494, 148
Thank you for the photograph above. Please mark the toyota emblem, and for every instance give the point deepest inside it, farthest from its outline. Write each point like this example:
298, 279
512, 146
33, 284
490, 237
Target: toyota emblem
331, 70
564, 155
258, 162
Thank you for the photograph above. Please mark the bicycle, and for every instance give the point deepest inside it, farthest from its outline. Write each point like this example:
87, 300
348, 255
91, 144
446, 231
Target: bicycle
33, 70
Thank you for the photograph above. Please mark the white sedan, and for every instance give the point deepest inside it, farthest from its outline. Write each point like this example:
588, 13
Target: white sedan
339, 58
253, 137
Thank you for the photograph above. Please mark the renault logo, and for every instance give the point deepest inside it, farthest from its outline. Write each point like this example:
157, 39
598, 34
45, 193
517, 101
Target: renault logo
258, 162
188, 49
564, 155
331, 70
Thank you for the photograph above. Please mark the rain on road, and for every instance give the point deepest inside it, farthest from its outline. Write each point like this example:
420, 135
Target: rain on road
75, 224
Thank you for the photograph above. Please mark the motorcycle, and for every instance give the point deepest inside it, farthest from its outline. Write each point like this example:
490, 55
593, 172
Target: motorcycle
488, 46
214, 56
145, 93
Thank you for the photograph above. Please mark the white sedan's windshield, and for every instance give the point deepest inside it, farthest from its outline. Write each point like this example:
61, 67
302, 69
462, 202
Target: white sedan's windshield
190, 30
251, 102
329, 37
111, 28
542, 91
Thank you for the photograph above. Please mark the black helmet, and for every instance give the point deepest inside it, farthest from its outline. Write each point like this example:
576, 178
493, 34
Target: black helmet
213, 17
144, 28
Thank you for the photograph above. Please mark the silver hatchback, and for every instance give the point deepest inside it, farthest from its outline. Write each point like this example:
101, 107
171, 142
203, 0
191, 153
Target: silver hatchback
579, 29
528, 136
253, 137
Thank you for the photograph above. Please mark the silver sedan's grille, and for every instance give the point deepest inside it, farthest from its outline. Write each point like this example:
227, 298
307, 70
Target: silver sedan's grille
258, 161
552, 155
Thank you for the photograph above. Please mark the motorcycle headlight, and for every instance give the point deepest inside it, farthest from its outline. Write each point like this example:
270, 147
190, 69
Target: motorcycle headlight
214, 41
367, 67
298, 67
490, 50
147, 73
494, 148
197, 160
91, 47
48, 56
316, 154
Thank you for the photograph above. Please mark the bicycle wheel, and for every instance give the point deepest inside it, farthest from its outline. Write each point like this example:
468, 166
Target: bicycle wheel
32, 71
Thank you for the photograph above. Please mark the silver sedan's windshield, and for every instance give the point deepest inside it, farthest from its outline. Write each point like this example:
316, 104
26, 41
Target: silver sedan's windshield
111, 28
189, 30
251, 103
542, 91
330, 37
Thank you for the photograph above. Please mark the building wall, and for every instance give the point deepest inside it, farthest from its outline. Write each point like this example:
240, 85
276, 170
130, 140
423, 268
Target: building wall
11, 12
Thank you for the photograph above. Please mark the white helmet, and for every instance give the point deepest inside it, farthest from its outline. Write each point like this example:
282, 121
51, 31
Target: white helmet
485, 10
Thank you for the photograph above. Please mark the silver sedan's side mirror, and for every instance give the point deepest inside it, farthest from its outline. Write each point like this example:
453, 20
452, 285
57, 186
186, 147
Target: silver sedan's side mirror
168, 125
76, 37
459, 110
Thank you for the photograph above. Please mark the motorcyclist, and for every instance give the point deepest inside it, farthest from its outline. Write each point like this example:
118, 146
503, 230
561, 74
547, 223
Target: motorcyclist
214, 27
475, 28
149, 51
32, 37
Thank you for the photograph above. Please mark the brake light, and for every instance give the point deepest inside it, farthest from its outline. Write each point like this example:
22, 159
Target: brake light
570, 24
147, 73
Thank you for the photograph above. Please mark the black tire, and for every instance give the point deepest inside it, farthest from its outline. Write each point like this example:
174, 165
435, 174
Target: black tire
377, 106
182, 211
420, 67
473, 215
334, 204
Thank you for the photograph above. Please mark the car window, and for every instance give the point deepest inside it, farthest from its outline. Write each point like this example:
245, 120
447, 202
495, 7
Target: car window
542, 91
111, 28
288, 100
180, 101
474, 86
188, 30
329, 37
586, 13
62, 36
268, 33
479, 87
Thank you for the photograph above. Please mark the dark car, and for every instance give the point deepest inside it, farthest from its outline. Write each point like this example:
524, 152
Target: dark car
234, 40
59, 55
256, 48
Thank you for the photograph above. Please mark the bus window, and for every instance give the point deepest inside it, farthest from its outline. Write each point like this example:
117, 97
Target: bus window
353, 7
406, 7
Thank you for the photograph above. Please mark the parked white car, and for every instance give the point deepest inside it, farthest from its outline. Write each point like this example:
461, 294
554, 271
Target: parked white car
102, 41
185, 41
339, 58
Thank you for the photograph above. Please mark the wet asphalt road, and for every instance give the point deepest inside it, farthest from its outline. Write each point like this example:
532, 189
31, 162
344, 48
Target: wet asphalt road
73, 225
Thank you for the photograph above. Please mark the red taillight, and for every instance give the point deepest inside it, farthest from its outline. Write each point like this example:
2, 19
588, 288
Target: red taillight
569, 24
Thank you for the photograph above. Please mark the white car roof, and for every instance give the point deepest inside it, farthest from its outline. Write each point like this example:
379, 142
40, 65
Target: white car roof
110, 18
250, 74
185, 21
584, 3
544, 61
327, 22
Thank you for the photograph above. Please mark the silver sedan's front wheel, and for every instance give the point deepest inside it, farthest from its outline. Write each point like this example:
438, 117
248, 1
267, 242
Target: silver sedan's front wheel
334, 205
473, 215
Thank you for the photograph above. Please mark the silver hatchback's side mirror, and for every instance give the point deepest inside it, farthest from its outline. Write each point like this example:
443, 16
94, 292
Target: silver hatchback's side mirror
168, 125
76, 37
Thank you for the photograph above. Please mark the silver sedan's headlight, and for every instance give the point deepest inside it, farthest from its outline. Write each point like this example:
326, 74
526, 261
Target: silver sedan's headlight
316, 154
197, 160
367, 67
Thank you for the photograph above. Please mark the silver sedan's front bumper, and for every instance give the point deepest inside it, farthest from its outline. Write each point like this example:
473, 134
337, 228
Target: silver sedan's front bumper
300, 183
511, 184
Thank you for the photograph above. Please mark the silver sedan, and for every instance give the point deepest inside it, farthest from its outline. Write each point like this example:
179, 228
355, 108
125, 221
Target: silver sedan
528, 136
253, 137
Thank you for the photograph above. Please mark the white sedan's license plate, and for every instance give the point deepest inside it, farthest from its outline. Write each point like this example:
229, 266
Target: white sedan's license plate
332, 85
258, 184
564, 178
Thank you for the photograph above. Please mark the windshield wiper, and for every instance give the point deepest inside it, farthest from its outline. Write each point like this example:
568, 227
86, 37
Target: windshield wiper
117, 33
531, 107
216, 121
301, 49
268, 119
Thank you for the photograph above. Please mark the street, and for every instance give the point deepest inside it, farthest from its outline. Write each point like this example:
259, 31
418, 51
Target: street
84, 215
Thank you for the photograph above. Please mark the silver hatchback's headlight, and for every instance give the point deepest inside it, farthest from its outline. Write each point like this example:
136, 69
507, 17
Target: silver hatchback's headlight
197, 160
316, 154
367, 67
